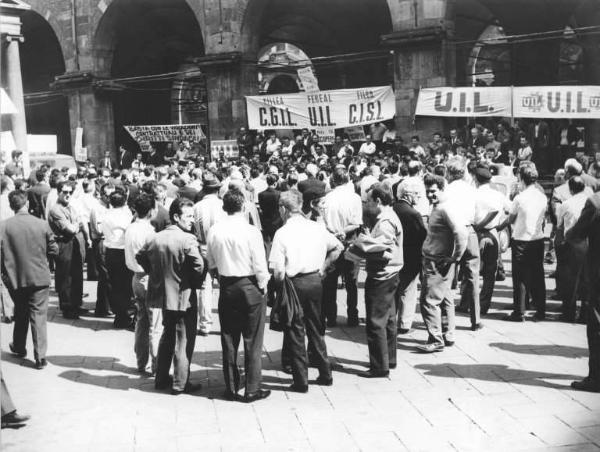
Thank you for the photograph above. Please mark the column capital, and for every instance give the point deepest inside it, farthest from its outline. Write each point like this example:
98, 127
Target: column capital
221, 60
7, 37
415, 36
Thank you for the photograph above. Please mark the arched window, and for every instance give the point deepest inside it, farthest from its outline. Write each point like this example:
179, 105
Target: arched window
278, 68
490, 60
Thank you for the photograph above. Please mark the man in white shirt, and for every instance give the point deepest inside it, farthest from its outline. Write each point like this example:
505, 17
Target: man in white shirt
342, 214
462, 198
415, 181
207, 212
287, 147
570, 262
273, 144
304, 261
527, 217
490, 211
524, 152
416, 147
236, 253
116, 220
343, 150
148, 326
368, 148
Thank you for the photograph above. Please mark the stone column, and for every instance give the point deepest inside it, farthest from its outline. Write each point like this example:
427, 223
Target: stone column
228, 80
15, 91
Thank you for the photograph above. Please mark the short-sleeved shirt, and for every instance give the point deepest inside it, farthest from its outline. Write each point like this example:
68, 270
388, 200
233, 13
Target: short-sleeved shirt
301, 246
569, 211
341, 207
529, 206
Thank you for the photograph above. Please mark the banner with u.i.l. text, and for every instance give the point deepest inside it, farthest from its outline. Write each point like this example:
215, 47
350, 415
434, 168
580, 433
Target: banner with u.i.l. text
520, 102
565, 101
333, 109
467, 101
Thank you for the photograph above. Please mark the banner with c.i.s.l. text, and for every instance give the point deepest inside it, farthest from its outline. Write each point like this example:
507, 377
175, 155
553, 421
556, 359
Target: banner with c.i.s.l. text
333, 109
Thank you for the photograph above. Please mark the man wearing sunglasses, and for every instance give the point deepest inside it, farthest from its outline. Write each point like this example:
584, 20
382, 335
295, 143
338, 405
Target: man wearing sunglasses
69, 232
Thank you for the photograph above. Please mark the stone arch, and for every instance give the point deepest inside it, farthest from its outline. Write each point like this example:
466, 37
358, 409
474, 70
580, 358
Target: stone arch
337, 27
41, 61
138, 38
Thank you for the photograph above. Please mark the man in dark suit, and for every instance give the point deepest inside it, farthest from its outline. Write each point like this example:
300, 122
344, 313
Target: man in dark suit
38, 194
108, 162
268, 201
175, 269
125, 158
588, 226
69, 231
414, 236
538, 134
26, 244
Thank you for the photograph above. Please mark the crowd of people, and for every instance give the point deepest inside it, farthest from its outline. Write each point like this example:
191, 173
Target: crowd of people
281, 224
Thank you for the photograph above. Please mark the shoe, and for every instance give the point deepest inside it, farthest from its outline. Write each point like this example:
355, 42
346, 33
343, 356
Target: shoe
258, 395
538, 316
566, 318
202, 333
85, 295
189, 389
303, 389
40, 364
513, 318
103, 315
321, 381
352, 321
477, 326
375, 374
393, 366
431, 348
14, 420
500, 277
286, 369
231, 396
331, 323
403, 330
70, 315
448, 343
83, 311
586, 384
165, 384
19, 353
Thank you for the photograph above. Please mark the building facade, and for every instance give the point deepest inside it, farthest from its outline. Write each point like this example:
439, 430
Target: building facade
103, 64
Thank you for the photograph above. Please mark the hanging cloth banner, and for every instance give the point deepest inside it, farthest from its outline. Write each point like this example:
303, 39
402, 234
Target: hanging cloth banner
556, 101
464, 101
333, 109
165, 133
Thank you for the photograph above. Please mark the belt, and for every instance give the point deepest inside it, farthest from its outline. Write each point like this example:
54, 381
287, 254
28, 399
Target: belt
302, 275
234, 279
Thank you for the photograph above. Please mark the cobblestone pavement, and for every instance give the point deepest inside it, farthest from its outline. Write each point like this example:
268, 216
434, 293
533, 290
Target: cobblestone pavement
503, 388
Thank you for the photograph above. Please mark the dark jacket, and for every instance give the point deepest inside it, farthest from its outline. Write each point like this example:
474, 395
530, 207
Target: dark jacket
26, 243
414, 235
286, 306
268, 201
37, 196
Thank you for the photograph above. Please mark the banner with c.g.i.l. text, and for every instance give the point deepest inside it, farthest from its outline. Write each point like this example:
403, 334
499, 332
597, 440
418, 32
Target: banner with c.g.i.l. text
332, 109
565, 101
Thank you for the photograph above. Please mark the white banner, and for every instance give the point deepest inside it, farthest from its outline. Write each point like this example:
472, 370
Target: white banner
166, 133
556, 102
329, 109
464, 101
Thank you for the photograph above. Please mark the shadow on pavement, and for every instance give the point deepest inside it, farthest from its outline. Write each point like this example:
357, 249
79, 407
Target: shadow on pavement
546, 350
497, 373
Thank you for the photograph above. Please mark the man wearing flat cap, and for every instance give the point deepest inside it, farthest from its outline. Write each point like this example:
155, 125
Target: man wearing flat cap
490, 211
207, 212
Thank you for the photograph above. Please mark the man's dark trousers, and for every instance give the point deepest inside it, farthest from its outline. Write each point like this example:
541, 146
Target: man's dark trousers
381, 322
571, 276
103, 287
309, 290
345, 268
69, 276
177, 344
242, 314
120, 285
488, 250
469, 265
528, 275
31, 306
